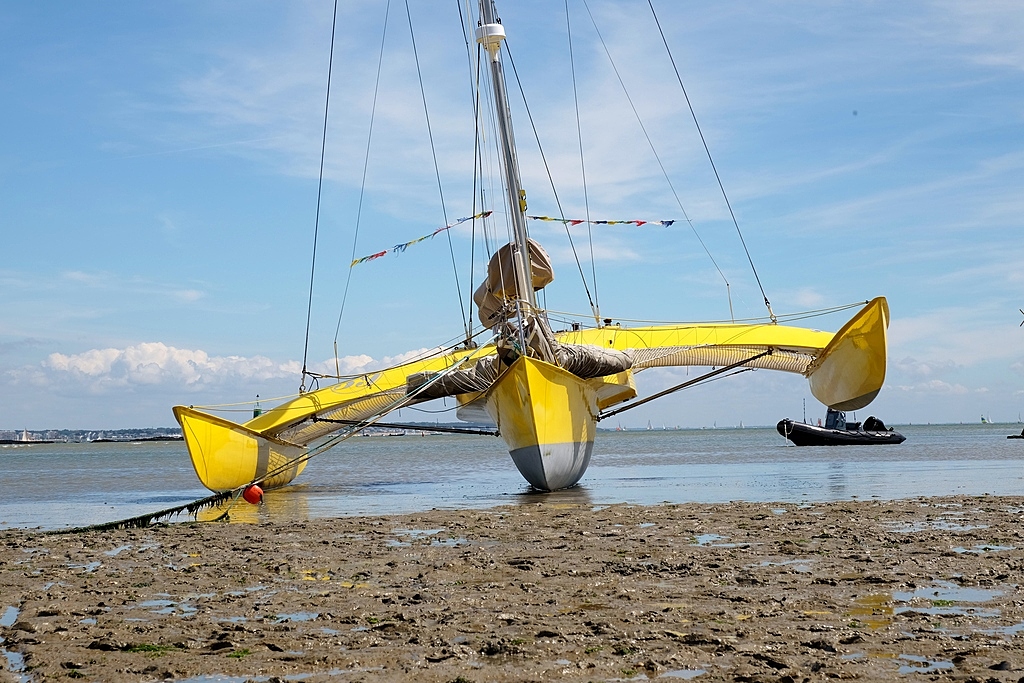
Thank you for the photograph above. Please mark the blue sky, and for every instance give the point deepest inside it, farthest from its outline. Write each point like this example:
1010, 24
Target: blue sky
158, 185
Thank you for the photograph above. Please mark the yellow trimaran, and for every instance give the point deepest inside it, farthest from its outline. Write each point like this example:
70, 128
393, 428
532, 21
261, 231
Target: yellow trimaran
544, 390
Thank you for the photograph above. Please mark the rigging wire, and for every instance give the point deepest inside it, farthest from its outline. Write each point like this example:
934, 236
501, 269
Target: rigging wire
664, 40
657, 156
551, 181
474, 93
420, 428
437, 168
782, 317
362, 184
689, 383
319, 191
446, 409
583, 167
477, 166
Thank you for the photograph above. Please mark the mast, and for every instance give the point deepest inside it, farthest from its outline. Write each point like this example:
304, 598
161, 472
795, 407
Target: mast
490, 33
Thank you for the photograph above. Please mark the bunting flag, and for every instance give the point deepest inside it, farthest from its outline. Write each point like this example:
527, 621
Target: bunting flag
399, 248
577, 221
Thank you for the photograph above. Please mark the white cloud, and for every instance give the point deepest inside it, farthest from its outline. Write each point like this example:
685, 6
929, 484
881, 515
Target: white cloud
189, 295
106, 281
913, 367
155, 364
935, 386
807, 297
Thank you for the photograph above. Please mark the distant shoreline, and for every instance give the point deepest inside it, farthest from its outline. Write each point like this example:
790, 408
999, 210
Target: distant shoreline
12, 437
144, 438
19, 442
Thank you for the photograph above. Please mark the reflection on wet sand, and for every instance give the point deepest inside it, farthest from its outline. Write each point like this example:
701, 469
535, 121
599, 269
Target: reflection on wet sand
290, 503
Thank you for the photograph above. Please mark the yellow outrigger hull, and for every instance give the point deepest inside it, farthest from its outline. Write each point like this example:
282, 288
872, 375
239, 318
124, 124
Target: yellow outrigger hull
227, 455
850, 371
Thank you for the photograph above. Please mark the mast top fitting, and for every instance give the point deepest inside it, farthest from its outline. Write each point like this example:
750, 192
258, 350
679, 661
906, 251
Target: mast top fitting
490, 36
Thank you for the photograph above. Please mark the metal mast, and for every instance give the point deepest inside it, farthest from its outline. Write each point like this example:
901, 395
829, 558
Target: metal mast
490, 33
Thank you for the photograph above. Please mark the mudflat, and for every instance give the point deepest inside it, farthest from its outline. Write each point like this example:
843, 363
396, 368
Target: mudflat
866, 590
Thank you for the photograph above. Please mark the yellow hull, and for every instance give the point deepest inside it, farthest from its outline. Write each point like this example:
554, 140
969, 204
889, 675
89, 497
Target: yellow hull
547, 418
227, 455
850, 371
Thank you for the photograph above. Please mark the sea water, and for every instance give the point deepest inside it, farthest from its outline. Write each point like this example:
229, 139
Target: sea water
58, 485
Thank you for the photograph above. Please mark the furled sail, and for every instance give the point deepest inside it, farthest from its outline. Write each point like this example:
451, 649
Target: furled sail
499, 286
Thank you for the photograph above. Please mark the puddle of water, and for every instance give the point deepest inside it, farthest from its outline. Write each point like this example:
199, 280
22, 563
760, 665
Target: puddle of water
779, 511
169, 607
938, 525
646, 525
950, 611
415, 534
222, 678
215, 678
802, 566
874, 611
923, 665
88, 621
10, 616
685, 674
710, 541
981, 549
182, 609
853, 656
943, 599
116, 551
87, 568
947, 591
15, 664
449, 542
412, 535
1004, 630
156, 603
297, 616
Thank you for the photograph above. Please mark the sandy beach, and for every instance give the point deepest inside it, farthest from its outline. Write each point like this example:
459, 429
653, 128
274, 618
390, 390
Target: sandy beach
863, 590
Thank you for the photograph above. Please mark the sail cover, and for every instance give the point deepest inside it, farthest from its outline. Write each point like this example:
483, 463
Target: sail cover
500, 284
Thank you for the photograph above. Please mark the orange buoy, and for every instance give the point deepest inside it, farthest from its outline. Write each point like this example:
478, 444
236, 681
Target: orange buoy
253, 494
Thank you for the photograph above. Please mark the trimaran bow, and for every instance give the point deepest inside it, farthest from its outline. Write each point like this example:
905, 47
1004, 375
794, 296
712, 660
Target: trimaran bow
544, 390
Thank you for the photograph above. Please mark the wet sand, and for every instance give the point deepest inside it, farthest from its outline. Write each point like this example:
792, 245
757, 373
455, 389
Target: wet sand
926, 588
